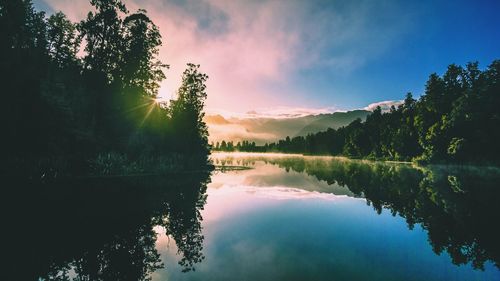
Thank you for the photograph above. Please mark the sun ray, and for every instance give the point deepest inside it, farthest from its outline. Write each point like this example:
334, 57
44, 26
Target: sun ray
150, 109
138, 107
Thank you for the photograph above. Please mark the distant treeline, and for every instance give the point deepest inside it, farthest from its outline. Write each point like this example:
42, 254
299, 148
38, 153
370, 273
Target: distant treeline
83, 96
239, 146
457, 119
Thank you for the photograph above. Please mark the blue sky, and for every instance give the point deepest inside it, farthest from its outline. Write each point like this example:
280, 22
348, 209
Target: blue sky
316, 55
436, 34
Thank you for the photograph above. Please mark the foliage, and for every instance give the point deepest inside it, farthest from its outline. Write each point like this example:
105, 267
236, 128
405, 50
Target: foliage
77, 90
240, 146
191, 133
455, 120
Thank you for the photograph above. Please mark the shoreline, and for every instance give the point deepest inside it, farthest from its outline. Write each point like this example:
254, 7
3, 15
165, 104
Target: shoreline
414, 163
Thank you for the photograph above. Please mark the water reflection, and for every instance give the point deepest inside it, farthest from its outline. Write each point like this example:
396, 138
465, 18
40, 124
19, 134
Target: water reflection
286, 218
458, 206
101, 229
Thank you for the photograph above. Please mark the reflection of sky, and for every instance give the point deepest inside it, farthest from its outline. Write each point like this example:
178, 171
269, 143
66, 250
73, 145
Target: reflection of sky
268, 175
259, 225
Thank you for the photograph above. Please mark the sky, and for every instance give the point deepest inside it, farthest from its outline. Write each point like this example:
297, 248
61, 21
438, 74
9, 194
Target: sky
267, 56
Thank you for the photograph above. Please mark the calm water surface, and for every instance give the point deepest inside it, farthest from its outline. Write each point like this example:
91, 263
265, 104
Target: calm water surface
284, 218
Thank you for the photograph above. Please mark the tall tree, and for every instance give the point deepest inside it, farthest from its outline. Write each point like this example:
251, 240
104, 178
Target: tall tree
187, 114
23, 64
63, 40
142, 71
103, 33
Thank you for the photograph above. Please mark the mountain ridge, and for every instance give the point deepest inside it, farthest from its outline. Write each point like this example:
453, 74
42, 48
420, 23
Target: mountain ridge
267, 129
333, 120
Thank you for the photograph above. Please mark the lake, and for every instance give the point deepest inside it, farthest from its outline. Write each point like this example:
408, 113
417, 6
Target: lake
260, 217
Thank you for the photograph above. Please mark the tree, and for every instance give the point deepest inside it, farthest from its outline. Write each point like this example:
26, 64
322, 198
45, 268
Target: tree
455, 120
63, 109
23, 65
103, 33
191, 133
142, 71
63, 40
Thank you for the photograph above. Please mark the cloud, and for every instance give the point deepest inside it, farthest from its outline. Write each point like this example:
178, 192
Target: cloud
236, 43
237, 132
288, 112
277, 112
75, 10
270, 124
384, 105
254, 51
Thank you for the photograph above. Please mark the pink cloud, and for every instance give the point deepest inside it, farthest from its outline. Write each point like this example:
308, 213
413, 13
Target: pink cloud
251, 50
240, 60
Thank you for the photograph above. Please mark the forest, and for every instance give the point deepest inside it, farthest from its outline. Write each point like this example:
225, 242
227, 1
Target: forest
456, 120
82, 98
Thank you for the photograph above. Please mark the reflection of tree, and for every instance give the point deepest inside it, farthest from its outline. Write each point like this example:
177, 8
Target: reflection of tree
458, 206
130, 256
468, 210
101, 229
183, 223
230, 161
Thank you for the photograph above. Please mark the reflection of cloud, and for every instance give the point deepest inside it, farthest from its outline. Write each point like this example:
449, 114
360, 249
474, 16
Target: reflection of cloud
288, 193
272, 176
240, 191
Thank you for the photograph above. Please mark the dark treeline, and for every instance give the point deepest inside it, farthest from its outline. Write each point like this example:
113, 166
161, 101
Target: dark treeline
229, 146
83, 96
455, 120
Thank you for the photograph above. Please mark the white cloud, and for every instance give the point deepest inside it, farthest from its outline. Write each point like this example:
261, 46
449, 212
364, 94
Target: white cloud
288, 112
384, 105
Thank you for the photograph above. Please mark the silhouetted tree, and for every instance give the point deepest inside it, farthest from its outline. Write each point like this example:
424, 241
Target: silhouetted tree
186, 113
66, 110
